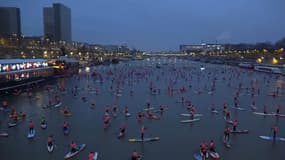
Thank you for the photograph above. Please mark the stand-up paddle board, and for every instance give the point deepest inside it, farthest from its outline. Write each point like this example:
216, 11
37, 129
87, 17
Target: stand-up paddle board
198, 156
13, 124
240, 132
150, 139
214, 154
58, 105
3, 134
268, 114
95, 156
50, 147
31, 134
148, 109
272, 138
72, 154
43, 125
189, 115
190, 120
238, 108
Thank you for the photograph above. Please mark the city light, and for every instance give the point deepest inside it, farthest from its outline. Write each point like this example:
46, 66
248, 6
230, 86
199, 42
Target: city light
259, 60
274, 60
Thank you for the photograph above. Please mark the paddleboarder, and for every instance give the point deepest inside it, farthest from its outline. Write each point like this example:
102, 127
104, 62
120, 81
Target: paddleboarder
73, 147
235, 124
278, 109
65, 125
228, 114
135, 155
212, 146
275, 130
50, 140
227, 134
203, 149
142, 132
31, 126
91, 156
122, 130
264, 109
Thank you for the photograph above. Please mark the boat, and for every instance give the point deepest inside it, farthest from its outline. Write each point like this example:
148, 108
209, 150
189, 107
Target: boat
246, 65
16, 75
267, 69
65, 66
70, 154
150, 139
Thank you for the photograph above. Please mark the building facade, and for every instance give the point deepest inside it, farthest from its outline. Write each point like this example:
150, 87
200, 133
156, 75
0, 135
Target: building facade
10, 21
57, 22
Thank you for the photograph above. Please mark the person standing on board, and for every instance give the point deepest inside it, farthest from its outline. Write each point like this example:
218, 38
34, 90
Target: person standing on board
142, 132
264, 109
91, 156
65, 126
73, 147
278, 110
139, 116
106, 120
31, 126
235, 124
203, 150
135, 155
122, 131
228, 114
50, 140
225, 106
212, 146
275, 130
236, 102
227, 134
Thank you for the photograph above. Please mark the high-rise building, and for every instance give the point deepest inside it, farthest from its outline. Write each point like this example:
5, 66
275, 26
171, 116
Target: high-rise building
57, 22
10, 21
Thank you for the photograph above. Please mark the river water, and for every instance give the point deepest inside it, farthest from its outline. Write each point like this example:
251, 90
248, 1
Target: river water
177, 141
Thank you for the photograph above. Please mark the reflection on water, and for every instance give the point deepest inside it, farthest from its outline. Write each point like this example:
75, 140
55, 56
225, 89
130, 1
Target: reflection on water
215, 85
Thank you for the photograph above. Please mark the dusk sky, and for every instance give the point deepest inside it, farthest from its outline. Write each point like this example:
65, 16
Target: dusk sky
162, 25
